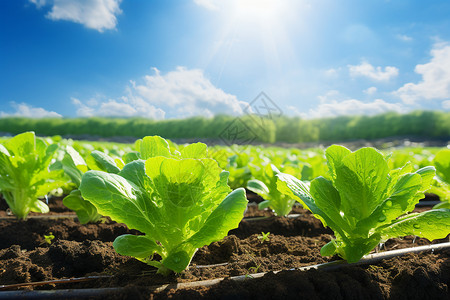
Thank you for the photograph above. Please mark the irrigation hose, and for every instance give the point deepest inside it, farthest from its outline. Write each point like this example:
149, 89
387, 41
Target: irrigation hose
50, 217
57, 281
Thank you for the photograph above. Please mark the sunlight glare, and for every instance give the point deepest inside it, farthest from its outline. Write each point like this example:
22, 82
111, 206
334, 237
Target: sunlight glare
262, 10
258, 32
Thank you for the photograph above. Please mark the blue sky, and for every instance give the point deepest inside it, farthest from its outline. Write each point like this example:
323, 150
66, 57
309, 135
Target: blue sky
175, 59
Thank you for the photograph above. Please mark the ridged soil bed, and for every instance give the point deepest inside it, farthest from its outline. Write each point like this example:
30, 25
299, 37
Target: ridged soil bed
87, 251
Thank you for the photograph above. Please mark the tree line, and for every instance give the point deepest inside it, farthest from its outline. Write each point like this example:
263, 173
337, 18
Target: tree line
245, 129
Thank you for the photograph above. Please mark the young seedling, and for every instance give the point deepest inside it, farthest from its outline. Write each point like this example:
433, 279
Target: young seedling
180, 200
49, 238
254, 269
264, 237
365, 203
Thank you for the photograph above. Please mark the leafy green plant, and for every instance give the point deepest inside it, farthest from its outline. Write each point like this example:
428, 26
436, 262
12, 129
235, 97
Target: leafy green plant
74, 167
180, 200
280, 203
441, 186
365, 202
86, 212
238, 169
25, 175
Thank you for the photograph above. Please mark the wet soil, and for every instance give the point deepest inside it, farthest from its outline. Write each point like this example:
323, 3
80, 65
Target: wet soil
86, 250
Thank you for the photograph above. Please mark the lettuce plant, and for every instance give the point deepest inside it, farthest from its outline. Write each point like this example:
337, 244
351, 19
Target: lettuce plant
238, 169
74, 167
178, 199
365, 203
25, 175
280, 203
441, 186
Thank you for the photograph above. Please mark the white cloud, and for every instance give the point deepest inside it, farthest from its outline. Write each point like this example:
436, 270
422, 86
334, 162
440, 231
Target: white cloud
370, 91
329, 96
208, 4
82, 109
182, 93
294, 110
365, 69
332, 72
446, 104
187, 92
124, 107
39, 3
404, 38
353, 107
25, 110
435, 83
94, 14
333, 104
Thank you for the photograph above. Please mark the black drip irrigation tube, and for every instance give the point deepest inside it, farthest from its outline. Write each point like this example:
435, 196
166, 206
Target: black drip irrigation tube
251, 219
104, 292
63, 294
43, 217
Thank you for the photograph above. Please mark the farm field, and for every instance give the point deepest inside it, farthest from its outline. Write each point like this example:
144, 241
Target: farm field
239, 149
268, 226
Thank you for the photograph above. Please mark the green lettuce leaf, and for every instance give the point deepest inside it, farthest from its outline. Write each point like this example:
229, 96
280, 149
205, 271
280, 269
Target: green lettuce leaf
281, 204
365, 202
86, 212
101, 161
180, 204
25, 174
442, 164
74, 166
441, 186
432, 224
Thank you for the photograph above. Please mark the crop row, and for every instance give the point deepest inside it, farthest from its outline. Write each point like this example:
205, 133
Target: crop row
182, 197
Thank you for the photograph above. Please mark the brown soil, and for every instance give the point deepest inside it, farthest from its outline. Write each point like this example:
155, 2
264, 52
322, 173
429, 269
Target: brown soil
86, 250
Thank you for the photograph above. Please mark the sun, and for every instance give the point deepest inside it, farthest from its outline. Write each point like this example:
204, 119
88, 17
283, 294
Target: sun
256, 34
258, 10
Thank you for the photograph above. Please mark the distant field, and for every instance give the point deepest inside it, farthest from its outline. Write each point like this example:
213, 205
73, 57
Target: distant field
242, 161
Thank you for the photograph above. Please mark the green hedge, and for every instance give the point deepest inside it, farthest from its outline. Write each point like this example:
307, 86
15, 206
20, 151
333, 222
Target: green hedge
428, 124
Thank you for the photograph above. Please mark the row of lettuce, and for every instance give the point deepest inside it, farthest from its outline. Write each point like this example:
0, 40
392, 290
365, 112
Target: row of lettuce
181, 198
